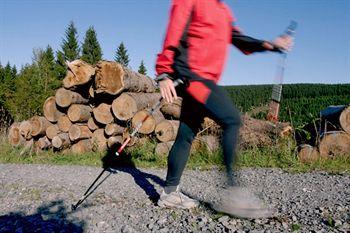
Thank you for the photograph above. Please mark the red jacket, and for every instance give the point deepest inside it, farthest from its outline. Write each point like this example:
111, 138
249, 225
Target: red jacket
196, 43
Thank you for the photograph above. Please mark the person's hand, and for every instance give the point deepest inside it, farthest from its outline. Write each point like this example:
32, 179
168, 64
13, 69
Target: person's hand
167, 90
284, 43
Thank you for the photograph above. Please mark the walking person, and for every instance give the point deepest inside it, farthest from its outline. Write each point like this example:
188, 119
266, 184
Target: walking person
195, 49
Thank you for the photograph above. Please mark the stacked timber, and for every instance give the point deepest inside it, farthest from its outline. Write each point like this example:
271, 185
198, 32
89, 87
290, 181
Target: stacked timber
98, 106
91, 111
334, 134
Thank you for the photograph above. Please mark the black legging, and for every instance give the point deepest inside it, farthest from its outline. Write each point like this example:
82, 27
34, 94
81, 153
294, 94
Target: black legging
220, 108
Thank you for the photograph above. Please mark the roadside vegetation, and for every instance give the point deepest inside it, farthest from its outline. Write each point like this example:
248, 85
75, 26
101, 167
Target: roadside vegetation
280, 155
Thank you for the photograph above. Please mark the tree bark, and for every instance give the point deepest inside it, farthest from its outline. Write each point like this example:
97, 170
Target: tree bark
172, 110
50, 110
78, 73
114, 140
103, 114
127, 104
126, 135
210, 143
65, 98
52, 131
64, 123
99, 140
79, 113
27, 147
25, 129
78, 132
82, 146
113, 78
44, 143
308, 154
92, 124
334, 144
61, 141
149, 125
345, 120
163, 148
113, 129
39, 125
167, 130
14, 136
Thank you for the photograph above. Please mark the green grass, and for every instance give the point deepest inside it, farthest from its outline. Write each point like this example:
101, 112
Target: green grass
280, 155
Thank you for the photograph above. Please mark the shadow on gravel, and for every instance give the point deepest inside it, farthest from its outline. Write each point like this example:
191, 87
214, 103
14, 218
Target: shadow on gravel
124, 163
51, 217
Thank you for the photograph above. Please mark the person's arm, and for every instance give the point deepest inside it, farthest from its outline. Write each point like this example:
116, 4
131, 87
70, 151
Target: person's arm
249, 45
179, 15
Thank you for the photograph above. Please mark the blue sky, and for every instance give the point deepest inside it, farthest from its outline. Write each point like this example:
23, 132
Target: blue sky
321, 53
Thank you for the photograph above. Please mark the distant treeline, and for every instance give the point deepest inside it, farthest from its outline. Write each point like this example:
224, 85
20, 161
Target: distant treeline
301, 103
24, 90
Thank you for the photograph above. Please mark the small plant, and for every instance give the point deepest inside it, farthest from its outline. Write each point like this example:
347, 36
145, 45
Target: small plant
295, 227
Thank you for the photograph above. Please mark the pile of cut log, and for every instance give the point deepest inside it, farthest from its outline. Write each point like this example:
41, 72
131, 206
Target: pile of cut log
333, 135
99, 105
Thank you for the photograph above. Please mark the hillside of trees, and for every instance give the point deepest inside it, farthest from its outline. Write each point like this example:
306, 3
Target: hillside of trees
301, 103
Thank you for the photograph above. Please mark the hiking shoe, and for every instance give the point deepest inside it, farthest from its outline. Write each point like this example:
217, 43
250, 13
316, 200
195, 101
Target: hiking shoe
177, 199
240, 202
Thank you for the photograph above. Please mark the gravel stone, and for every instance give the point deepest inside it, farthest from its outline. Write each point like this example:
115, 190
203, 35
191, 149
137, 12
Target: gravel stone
35, 197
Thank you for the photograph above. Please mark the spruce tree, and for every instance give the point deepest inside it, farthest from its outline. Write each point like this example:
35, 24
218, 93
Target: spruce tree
121, 55
70, 46
92, 52
142, 68
69, 50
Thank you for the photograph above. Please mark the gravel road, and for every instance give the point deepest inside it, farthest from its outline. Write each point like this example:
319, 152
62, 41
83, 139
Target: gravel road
37, 198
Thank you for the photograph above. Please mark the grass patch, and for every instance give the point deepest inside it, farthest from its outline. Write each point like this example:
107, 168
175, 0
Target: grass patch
279, 155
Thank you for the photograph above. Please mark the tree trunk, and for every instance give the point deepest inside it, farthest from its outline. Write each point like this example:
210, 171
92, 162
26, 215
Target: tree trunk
113, 129
103, 114
163, 148
112, 78
14, 136
167, 130
61, 141
334, 144
44, 143
308, 154
149, 125
172, 110
127, 104
82, 146
114, 140
78, 132
126, 135
52, 131
50, 110
345, 120
99, 140
64, 98
39, 125
25, 129
64, 123
209, 126
92, 124
78, 73
27, 147
210, 143
79, 113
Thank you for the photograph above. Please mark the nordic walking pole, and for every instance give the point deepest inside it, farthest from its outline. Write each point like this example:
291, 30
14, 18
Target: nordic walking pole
92, 187
277, 88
